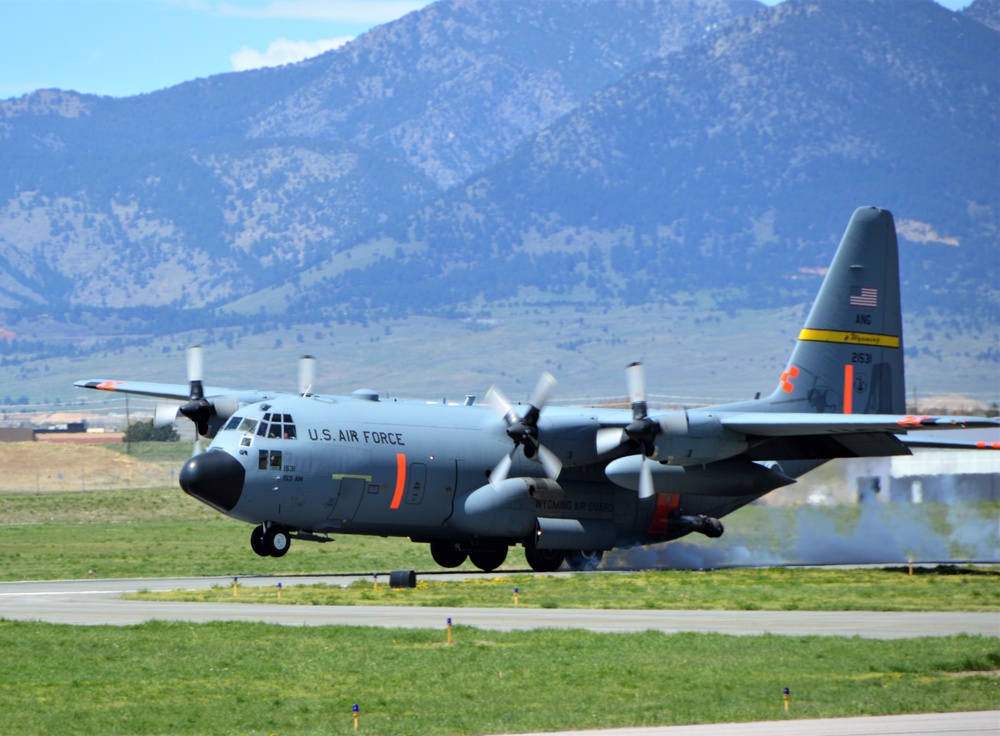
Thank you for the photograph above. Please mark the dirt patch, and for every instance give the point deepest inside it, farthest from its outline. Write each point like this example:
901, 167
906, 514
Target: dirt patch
42, 467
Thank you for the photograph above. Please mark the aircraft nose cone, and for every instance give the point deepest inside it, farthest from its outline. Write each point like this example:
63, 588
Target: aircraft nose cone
214, 477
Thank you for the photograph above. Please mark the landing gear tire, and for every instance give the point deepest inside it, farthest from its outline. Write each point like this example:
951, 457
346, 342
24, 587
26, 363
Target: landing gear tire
257, 541
584, 559
488, 560
447, 554
544, 560
276, 541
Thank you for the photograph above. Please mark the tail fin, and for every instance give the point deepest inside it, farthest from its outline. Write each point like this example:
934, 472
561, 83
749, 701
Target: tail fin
849, 356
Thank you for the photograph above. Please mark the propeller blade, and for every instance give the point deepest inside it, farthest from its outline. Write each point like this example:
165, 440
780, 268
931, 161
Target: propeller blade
635, 376
543, 389
498, 402
524, 430
499, 474
307, 374
164, 415
646, 488
610, 438
195, 371
549, 461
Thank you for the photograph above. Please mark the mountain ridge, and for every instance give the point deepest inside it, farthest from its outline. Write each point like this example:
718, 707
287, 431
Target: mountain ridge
453, 164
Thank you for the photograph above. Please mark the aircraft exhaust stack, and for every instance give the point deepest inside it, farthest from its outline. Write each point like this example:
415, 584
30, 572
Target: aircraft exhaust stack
706, 525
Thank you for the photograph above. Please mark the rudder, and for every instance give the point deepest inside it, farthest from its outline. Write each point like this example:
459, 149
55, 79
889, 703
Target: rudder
849, 356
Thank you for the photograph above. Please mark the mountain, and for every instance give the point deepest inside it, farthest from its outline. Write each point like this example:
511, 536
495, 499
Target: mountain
986, 12
476, 156
731, 164
194, 194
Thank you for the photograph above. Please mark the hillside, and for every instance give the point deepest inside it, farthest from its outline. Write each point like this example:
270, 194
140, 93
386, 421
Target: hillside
479, 163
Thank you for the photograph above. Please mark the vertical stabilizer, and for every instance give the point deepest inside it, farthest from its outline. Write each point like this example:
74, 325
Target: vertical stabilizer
849, 356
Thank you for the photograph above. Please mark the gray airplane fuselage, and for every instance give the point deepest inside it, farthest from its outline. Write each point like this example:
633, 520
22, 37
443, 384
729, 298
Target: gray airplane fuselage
356, 465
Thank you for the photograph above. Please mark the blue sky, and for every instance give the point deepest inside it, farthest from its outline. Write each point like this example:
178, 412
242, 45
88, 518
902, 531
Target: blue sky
125, 47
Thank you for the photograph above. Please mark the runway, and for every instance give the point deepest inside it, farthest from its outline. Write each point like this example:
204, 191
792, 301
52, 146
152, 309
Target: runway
986, 723
97, 602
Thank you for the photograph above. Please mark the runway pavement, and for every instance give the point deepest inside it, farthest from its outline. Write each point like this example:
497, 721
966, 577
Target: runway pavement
986, 723
94, 602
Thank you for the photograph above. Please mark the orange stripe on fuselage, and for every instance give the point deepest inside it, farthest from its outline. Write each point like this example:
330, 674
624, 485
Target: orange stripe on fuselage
848, 389
397, 497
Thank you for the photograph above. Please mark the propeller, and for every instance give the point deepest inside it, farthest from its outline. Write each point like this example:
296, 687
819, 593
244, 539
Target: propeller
640, 433
197, 408
524, 430
307, 374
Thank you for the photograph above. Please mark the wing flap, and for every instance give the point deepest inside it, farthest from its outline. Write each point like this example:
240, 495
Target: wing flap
827, 447
788, 424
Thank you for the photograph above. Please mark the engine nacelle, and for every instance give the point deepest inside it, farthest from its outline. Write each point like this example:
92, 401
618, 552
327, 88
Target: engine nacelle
731, 477
695, 439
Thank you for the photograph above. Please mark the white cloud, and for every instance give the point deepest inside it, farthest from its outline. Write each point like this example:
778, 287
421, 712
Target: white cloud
283, 51
365, 12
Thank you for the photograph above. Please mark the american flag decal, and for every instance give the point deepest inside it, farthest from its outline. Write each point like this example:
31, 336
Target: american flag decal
864, 296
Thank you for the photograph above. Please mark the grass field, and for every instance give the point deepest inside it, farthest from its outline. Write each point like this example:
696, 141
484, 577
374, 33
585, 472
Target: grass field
234, 678
162, 532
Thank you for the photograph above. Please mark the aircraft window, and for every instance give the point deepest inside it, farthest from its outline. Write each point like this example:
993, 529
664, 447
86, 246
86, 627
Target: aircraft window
288, 418
262, 430
233, 423
274, 431
262, 460
290, 432
267, 417
246, 441
248, 425
276, 460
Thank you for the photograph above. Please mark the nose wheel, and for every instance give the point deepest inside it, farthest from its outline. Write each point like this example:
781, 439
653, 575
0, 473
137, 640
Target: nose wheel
272, 541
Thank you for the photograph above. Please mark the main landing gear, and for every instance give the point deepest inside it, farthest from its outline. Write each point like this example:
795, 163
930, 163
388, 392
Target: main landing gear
550, 560
269, 540
451, 555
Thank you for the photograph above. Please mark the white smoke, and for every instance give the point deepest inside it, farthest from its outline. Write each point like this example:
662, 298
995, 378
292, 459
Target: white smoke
880, 534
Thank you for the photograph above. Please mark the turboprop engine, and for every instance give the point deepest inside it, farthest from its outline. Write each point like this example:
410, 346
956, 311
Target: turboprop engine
686, 439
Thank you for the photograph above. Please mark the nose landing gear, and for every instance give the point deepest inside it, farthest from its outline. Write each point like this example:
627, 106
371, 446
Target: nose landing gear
269, 540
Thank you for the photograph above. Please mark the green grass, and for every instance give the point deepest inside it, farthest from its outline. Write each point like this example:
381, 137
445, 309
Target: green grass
945, 588
163, 532
238, 678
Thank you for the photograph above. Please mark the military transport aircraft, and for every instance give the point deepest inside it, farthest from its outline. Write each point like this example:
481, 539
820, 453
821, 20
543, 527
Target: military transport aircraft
565, 483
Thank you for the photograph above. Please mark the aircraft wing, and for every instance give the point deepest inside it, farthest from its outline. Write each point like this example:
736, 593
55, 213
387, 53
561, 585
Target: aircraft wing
790, 436
969, 439
174, 391
787, 424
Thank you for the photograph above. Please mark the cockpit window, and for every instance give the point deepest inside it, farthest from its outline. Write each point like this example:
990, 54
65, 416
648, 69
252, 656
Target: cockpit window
248, 425
274, 426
